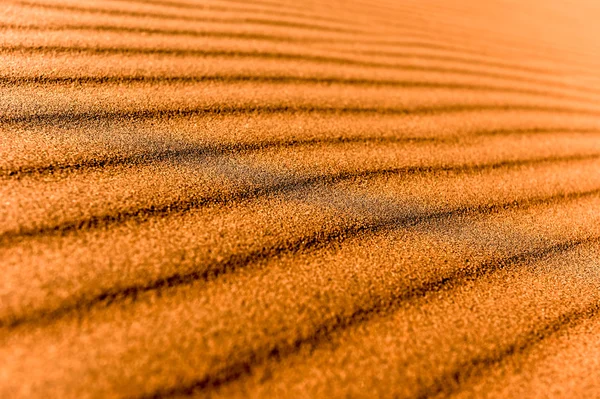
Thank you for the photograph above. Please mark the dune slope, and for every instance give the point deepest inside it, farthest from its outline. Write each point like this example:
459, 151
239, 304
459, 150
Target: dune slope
299, 199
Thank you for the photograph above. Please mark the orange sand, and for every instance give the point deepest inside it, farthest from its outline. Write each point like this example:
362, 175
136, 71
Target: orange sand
309, 199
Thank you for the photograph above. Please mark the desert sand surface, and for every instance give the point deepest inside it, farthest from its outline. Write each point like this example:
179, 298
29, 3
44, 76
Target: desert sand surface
299, 199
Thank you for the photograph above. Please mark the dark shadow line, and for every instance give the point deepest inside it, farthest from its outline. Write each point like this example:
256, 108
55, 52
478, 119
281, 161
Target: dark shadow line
311, 242
188, 152
194, 152
280, 79
300, 57
386, 306
413, 43
166, 32
275, 79
224, 109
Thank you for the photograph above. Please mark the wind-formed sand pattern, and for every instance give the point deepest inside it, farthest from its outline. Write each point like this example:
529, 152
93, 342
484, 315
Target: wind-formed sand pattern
299, 199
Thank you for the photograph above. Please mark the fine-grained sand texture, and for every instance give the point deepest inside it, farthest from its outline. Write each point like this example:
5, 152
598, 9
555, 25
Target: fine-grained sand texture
299, 199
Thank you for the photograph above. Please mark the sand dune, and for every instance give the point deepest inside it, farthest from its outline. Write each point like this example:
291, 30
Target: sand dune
310, 199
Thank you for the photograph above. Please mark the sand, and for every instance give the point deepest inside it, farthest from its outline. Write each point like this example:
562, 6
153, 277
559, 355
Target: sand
307, 199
